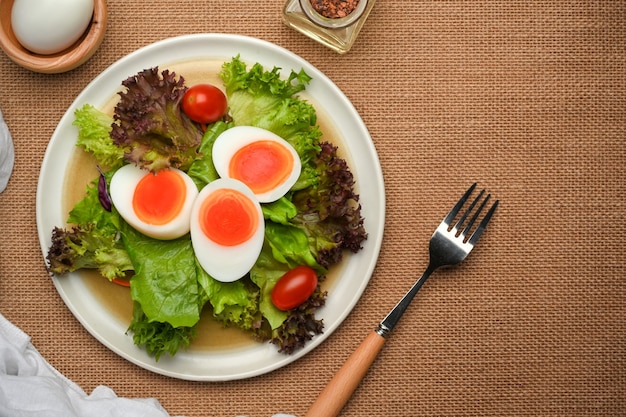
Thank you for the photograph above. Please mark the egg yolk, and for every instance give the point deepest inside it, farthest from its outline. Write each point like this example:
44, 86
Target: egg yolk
159, 198
228, 217
262, 165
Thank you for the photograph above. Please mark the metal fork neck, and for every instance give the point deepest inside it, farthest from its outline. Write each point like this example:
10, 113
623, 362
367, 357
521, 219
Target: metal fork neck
387, 325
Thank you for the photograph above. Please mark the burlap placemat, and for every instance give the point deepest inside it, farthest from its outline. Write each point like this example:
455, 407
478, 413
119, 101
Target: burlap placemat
527, 98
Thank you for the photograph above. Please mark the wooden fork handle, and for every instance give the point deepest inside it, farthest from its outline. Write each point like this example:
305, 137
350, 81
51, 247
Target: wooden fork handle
340, 388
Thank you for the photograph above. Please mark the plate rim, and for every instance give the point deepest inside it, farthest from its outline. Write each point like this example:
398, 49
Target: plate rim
320, 81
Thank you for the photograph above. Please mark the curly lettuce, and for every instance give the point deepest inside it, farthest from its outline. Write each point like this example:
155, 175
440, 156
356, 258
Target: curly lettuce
94, 128
232, 303
86, 247
330, 214
92, 241
150, 122
300, 325
157, 337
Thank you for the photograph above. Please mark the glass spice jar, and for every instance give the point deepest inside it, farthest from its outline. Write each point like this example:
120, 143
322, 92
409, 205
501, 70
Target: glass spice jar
334, 23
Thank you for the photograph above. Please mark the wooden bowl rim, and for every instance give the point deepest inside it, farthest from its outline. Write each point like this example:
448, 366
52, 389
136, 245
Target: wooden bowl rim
64, 61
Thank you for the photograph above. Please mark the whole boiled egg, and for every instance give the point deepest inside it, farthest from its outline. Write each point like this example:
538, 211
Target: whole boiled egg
49, 26
262, 160
157, 205
227, 229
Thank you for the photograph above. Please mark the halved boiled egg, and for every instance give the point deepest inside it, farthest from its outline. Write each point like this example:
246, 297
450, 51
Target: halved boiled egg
227, 229
157, 205
262, 160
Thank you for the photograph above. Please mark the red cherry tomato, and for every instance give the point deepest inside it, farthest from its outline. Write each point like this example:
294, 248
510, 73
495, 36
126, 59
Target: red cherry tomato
204, 103
294, 288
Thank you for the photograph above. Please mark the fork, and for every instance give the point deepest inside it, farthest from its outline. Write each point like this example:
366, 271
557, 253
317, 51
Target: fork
449, 245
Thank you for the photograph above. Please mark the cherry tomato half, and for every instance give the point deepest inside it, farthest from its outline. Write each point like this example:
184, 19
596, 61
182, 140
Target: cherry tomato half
204, 103
294, 288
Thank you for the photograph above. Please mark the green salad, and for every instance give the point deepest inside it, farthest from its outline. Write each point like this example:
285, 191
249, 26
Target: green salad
311, 226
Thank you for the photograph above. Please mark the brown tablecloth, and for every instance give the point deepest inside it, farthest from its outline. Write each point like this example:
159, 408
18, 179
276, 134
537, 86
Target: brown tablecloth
527, 98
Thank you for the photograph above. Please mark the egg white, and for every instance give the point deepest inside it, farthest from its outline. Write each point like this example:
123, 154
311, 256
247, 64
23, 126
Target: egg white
226, 263
122, 190
232, 140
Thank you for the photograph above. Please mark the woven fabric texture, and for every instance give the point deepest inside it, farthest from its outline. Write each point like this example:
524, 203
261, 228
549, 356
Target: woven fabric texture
528, 98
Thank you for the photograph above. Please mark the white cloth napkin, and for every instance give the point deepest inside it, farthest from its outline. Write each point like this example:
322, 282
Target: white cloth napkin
7, 154
31, 387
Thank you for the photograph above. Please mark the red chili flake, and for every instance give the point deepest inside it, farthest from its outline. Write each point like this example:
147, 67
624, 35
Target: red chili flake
334, 9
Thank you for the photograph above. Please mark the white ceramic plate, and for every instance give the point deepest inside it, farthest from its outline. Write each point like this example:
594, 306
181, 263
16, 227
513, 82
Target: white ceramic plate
356, 270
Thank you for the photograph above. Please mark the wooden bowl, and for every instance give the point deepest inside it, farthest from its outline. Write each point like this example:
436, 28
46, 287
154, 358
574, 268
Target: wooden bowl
63, 61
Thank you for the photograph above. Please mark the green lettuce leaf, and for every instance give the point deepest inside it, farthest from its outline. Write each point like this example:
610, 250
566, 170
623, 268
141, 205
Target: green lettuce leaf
265, 273
233, 303
94, 128
202, 171
90, 210
280, 211
158, 338
165, 282
290, 246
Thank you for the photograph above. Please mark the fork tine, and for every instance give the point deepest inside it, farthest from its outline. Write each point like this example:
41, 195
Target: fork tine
483, 224
461, 221
476, 214
455, 210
